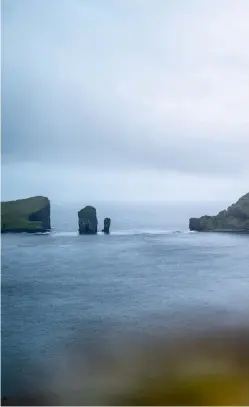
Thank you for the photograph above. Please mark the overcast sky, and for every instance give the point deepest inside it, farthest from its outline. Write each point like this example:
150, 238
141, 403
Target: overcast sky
125, 99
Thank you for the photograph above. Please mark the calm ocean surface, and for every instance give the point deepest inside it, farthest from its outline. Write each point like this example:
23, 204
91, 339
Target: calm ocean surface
151, 270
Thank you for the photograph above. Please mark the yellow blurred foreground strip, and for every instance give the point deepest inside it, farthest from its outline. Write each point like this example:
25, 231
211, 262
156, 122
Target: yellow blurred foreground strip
187, 369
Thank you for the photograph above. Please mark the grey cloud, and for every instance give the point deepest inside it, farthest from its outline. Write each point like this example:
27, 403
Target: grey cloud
36, 130
125, 86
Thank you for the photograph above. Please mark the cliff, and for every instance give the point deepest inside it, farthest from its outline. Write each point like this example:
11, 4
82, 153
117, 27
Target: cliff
29, 215
88, 222
234, 219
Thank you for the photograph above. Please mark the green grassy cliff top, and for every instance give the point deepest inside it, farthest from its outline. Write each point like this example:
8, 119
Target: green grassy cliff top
29, 214
24, 206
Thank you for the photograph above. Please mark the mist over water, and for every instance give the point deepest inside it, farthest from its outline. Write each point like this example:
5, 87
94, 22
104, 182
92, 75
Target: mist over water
135, 216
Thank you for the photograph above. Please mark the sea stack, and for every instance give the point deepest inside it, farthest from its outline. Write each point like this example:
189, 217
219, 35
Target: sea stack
107, 224
88, 222
30, 215
234, 219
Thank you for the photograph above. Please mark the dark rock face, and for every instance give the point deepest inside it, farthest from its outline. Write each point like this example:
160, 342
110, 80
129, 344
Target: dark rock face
30, 215
88, 222
43, 216
194, 224
107, 224
234, 219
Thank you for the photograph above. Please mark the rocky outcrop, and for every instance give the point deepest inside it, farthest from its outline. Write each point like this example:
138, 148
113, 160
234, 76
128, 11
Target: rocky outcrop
107, 224
88, 222
31, 215
234, 219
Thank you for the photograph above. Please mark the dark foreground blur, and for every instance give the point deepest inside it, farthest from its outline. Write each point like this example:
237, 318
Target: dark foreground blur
210, 367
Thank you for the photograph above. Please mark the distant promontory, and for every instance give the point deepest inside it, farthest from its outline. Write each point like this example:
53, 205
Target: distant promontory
31, 215
233, 219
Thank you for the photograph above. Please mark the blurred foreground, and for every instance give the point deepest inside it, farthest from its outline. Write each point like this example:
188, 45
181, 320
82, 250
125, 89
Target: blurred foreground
209, 367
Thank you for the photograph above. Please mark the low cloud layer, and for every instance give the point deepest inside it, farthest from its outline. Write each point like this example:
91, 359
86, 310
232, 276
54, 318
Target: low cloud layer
145, 94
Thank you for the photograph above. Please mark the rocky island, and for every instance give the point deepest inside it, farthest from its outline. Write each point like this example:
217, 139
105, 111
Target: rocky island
107, 224
88, 222
30, 215
233, 219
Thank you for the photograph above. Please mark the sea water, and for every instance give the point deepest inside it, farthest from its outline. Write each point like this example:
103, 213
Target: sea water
150, 271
